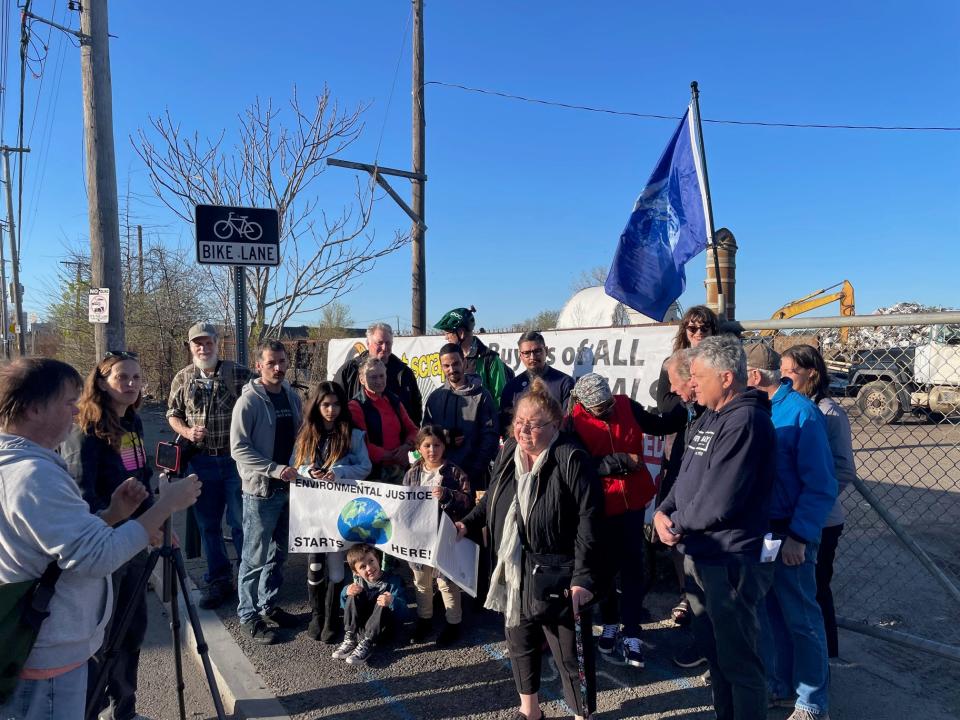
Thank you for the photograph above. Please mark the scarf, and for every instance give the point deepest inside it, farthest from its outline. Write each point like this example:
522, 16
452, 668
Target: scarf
504, 593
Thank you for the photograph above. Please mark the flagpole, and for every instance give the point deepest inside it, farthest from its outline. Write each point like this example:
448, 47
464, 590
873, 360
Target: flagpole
721, 304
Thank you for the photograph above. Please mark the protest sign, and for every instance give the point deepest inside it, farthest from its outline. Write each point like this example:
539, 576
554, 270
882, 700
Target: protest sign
330, 515
457, 559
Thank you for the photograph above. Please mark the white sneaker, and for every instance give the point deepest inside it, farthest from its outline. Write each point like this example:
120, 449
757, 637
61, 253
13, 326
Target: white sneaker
345, 648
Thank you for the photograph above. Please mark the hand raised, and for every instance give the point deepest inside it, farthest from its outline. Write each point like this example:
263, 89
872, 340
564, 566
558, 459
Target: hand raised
127, 498
180, 494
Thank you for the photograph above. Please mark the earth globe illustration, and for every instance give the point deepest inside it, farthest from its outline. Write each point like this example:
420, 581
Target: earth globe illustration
363, 520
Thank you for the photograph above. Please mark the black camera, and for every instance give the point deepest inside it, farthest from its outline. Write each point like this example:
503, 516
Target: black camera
174, 456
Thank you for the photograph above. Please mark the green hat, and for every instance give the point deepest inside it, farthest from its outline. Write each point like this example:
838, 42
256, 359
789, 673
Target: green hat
457, 318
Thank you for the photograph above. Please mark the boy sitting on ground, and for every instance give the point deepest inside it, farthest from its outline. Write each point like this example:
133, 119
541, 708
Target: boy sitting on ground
371, 605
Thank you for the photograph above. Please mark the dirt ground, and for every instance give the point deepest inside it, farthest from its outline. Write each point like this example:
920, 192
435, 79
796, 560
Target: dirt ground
911, 467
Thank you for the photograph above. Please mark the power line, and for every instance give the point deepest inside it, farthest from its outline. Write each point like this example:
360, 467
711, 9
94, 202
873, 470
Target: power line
715, 121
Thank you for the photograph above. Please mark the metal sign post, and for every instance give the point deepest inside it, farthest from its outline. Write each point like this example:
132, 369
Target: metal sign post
238, 236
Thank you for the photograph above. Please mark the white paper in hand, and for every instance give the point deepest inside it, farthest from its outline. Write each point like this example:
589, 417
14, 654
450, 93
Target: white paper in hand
770, 548
457, 559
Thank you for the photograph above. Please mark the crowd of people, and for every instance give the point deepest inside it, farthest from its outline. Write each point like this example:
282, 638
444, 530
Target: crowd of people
544, 471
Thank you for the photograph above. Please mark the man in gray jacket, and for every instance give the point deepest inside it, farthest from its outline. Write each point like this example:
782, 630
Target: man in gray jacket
468, 415
262, 433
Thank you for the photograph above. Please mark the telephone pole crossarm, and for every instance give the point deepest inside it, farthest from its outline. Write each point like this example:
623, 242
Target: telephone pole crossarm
83, 38
377, 174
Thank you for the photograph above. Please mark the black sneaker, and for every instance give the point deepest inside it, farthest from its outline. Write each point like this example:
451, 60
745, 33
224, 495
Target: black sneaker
449, 635
422, 630
361, 652
260, 631
607, 642
689, 657
281, 618
345, 648
215, 594
633, 652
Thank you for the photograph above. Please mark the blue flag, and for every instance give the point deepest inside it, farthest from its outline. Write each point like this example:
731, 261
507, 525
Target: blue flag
668, 226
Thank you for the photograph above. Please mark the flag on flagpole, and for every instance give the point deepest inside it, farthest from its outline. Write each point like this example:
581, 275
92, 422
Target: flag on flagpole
669, 226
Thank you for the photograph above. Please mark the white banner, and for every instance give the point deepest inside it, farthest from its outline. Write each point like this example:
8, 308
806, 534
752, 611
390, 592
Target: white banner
629, 357
330, 515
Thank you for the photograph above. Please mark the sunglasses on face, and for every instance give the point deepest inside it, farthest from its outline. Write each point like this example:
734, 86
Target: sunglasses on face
697, 329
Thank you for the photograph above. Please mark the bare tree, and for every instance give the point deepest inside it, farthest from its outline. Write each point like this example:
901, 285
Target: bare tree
590, 278
275, 165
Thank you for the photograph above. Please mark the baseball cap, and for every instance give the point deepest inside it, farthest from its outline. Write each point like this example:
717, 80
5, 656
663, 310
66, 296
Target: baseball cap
456, 319
762, 357
202, 329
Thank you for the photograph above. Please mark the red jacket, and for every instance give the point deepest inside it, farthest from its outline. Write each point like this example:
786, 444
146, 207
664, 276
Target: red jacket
618, 432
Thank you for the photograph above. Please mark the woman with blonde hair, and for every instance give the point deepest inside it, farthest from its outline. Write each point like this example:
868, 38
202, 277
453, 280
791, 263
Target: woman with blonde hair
542, 513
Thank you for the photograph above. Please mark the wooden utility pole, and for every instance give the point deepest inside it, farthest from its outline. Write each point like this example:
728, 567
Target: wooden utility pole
140, 258
101, 172
16, 293
419, 232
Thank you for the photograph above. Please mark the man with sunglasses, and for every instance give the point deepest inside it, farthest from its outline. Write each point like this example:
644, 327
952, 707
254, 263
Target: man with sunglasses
532, 349
202, 396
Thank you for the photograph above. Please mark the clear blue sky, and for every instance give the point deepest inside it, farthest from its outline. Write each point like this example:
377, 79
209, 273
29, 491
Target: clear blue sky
522, 197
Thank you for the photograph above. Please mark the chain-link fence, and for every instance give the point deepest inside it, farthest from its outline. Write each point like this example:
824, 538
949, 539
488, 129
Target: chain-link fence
898, 562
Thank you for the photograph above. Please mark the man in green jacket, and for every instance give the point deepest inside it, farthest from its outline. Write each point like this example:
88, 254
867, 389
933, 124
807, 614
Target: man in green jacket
457, 326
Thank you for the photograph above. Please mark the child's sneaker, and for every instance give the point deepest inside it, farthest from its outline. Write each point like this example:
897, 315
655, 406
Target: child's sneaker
633, 652
607, 641
361, 652
345, 648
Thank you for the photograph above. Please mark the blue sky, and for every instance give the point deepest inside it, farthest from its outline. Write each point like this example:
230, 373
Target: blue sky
522, 198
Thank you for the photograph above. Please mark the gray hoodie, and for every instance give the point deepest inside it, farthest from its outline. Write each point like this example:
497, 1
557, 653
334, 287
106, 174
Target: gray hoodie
252, 430
44, 518
468, 412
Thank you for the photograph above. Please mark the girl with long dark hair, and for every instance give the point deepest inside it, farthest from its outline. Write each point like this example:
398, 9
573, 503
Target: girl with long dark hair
328, 447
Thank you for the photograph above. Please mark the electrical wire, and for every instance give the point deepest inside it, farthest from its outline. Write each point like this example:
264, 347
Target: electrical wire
715, 121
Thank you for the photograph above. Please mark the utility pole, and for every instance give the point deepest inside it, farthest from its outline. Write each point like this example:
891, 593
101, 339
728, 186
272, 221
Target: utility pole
17, 293
101, 172
419, 232
140, 257
4, 316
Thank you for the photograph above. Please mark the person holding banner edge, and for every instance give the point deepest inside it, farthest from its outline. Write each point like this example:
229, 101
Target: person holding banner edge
451, 488
328, 447
543, 511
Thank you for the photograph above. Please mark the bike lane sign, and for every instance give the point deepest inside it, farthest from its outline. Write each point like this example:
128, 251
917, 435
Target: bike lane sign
237, 235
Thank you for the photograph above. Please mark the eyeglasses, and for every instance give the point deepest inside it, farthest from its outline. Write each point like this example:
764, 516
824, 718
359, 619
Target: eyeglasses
122, 354
530, 427
532, 353
697, 329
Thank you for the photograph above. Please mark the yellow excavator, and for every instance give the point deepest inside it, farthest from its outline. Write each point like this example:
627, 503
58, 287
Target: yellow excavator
818, 299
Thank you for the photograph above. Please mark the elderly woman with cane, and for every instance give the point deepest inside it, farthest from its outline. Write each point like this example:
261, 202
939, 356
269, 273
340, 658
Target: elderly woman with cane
542, 512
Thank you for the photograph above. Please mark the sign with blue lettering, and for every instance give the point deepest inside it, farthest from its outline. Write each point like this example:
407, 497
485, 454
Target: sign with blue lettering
237, 235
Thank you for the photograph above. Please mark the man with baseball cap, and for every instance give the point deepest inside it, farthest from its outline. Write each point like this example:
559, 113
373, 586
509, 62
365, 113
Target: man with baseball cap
793, 643
202, 396
457, 326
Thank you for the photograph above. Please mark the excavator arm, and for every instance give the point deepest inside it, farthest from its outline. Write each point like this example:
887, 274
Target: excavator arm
818, 299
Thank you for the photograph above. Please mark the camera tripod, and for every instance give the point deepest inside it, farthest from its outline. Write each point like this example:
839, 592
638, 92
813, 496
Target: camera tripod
174, 571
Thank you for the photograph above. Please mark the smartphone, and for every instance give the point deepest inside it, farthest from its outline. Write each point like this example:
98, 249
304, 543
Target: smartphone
168, 456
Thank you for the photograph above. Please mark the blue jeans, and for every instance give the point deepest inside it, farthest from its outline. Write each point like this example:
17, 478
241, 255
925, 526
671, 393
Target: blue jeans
266, 523
221, 491
794, 644
60, 698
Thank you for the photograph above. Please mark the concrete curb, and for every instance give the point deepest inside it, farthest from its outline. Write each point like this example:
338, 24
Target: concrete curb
243, 691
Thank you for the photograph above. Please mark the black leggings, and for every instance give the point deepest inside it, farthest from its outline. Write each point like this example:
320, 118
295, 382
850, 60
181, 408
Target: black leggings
829, 539
525, 642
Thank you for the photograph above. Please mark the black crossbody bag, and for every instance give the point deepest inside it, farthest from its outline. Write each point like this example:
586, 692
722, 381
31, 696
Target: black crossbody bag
545, 585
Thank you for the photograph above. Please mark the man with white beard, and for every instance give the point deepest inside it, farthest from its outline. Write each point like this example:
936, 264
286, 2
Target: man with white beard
202, 396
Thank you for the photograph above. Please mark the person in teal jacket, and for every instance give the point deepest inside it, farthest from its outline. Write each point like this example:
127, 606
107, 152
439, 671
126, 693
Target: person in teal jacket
793, 641
457, 325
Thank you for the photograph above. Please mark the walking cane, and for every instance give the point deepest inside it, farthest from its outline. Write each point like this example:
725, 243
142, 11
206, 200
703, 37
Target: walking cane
581, 669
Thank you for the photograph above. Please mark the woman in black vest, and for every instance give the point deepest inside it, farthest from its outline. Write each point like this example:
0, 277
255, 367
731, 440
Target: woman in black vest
104, 449
391, 433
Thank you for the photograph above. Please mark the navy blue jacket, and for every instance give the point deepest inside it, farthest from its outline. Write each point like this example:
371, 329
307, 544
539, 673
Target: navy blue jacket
720, 501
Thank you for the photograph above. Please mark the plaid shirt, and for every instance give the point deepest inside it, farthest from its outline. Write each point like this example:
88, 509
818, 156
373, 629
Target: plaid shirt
192, 394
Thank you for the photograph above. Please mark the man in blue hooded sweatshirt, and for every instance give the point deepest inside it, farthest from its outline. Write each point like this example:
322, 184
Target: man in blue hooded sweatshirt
794, 645
716, 513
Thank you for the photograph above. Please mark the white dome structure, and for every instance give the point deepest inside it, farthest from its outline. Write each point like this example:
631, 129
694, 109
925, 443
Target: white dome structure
592, 307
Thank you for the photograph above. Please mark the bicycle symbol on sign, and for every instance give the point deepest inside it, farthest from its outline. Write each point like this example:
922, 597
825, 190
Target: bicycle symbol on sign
239, 225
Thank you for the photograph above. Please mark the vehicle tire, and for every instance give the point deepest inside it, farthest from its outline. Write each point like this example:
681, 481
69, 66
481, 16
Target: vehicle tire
879, 403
